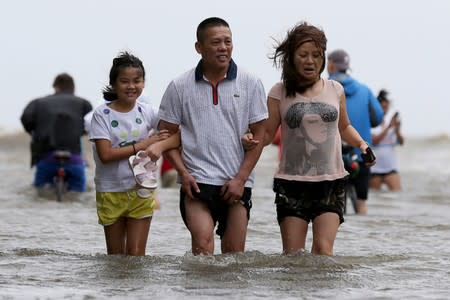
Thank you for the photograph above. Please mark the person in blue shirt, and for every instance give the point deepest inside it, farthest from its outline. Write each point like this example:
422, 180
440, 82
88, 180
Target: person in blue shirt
364, 112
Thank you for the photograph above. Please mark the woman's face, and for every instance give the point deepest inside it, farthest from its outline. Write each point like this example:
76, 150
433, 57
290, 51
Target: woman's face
308, 60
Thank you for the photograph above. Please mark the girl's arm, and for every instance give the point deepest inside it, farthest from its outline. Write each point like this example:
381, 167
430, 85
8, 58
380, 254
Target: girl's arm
107, 153
155, 150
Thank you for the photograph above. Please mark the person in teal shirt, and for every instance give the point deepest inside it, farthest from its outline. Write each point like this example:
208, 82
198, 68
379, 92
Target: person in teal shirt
364, 112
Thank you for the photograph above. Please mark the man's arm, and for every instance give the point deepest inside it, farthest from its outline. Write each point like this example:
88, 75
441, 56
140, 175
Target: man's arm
188, 183
234, 188
28, 117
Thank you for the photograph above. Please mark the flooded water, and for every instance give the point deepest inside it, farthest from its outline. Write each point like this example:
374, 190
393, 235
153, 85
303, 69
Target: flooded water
51, 250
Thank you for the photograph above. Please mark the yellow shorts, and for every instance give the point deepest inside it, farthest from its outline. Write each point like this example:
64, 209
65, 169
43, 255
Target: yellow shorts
111, 206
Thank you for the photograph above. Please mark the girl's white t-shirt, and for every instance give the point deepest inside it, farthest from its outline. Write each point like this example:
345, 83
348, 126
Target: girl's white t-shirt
121, 129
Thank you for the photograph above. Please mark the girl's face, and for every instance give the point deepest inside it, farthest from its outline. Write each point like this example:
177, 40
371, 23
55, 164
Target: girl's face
308, 60
129, 84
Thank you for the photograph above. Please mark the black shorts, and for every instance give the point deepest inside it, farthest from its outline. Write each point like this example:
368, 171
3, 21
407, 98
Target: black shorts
361, 182
211, 196
383, 174
307, 200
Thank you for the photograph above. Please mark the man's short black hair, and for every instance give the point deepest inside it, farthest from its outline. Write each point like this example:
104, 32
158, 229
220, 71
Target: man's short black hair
64, 82
207, 23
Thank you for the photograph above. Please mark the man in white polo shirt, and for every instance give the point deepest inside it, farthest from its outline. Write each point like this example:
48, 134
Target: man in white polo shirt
214, 104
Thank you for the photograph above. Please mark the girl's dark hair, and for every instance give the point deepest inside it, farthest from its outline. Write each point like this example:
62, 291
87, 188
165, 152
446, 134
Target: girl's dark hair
122, 61
284, 55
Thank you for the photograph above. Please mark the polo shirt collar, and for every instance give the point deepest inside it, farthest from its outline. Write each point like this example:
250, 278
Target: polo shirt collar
231, 73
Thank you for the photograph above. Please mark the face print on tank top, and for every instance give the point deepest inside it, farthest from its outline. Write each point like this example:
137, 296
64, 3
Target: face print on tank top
312, 129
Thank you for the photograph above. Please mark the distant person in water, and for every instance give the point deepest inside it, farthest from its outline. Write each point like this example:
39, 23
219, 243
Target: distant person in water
364, 112
385, 138
56, 122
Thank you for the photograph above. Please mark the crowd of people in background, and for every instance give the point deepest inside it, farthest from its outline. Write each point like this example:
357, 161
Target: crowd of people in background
208, 134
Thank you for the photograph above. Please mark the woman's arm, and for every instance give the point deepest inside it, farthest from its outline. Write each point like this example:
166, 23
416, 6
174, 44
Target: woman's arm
270, 126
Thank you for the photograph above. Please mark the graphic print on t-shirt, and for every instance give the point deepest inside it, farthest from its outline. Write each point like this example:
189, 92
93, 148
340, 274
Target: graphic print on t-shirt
312, 137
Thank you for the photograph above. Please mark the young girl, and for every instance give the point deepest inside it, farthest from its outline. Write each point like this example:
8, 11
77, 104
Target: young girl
119, 130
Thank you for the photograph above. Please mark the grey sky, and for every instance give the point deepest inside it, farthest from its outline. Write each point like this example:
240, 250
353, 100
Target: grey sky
399, 45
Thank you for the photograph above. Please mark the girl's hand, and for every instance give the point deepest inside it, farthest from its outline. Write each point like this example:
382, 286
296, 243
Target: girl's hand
158, 135
154, 152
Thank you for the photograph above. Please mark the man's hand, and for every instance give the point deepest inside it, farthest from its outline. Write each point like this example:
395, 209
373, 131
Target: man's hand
189, 185
232, 191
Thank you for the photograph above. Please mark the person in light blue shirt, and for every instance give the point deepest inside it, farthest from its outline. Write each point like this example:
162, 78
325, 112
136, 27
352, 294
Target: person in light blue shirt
364, 112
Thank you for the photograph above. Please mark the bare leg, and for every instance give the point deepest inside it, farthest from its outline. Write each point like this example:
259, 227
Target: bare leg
362, 208
116, 236
393, 181
376, 182
325, 229
293, 234
137, 235
200, 225
233, 239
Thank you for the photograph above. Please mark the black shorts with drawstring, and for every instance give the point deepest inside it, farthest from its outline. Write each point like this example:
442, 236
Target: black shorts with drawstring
307, 200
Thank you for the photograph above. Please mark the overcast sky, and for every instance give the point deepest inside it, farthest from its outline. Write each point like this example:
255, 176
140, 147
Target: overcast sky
403, 46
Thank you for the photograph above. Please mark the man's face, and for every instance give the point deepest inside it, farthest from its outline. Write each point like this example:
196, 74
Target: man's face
216, 48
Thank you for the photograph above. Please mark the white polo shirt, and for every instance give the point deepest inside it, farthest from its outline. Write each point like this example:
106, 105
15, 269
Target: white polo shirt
213, 119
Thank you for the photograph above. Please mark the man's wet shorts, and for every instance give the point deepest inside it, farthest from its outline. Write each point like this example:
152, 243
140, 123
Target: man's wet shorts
111, 206
211, 196
74, 169
307, 200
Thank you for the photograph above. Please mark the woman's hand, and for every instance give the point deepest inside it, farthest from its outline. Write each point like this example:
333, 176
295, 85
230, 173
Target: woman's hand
248, 142
368, 156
